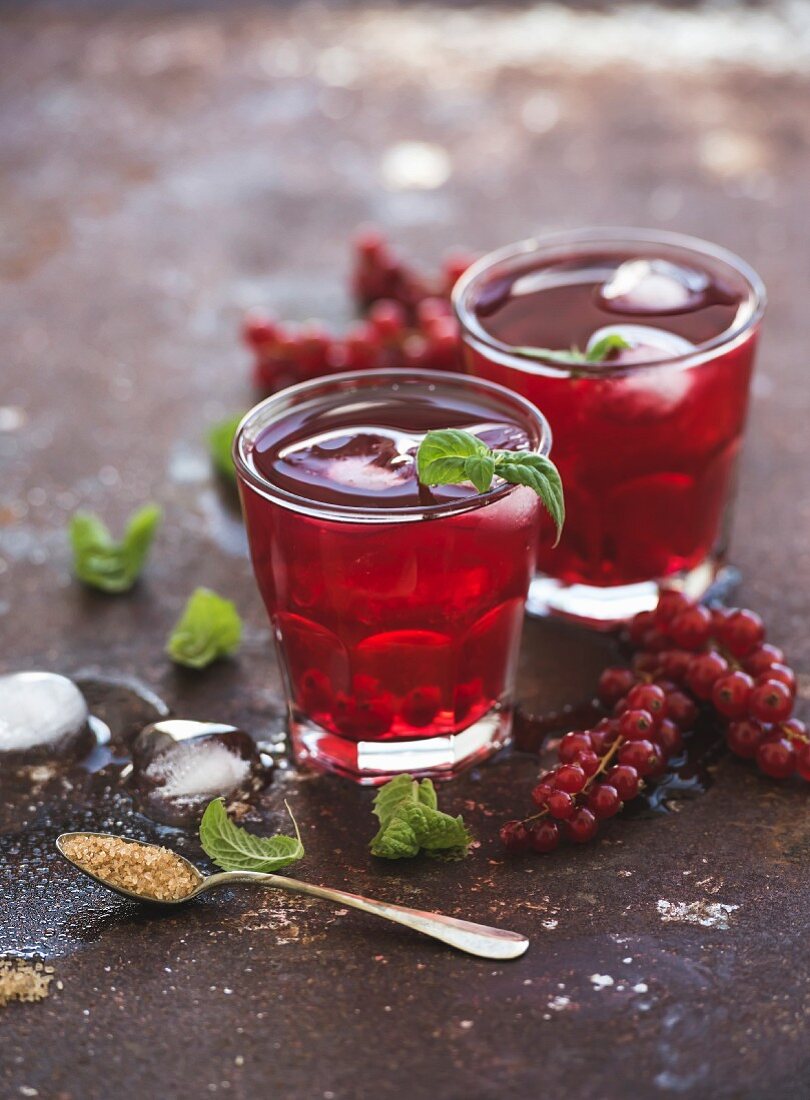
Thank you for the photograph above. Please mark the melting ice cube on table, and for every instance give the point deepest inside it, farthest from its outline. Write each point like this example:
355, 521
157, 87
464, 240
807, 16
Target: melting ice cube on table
653, 286
43, 716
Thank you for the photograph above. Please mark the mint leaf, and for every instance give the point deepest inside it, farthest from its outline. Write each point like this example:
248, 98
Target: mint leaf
100, 561
410, 822
540, 474
235, 849
453, 456
220, 442
600, 351
209, 628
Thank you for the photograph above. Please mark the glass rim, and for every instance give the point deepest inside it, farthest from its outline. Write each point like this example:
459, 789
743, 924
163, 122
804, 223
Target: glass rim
258, 417
475, 333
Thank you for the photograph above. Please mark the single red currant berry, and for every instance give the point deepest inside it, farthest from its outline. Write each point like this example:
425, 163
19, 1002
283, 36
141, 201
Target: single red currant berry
613, 684
794, 729
645, 664
669, 737
636, 725
541, 794
802, 751
673, 663
783, 673
626, 781
644, 756
776, 757
681, 710
514, 836
544, 836
741, 632
315, 690
770, 702
561, 805
583, 826
692, 628
639, 625
667, 686
671, 602
654, 641
731, 693
588, 761
420, 705
744, 738
602, 739
604, 800
570, 778
649, 697
760, 660
573, 743
703, 671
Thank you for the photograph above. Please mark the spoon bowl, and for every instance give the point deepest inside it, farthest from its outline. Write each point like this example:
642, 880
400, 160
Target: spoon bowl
474, 939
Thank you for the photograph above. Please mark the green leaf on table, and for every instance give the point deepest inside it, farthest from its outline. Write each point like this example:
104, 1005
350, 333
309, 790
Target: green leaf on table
220, 443
454, 456
235, 849
210, 627
100, 561
411, 822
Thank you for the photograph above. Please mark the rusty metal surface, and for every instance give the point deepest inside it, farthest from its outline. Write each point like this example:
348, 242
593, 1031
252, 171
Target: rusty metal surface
160, 173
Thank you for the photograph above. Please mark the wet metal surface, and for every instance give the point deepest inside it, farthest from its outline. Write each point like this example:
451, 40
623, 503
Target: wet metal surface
234, 152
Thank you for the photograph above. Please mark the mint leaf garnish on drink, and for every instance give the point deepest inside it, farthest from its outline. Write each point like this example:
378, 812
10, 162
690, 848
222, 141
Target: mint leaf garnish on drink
209, 628
597, 354
235, 849
100, 561
452, 456
411, 822
220, 441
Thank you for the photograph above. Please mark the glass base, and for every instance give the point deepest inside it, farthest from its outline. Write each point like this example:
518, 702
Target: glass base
374, 762
603, 608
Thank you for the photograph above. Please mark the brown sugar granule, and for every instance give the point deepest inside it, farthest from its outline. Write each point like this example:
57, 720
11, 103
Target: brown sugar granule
142, 868
21, 980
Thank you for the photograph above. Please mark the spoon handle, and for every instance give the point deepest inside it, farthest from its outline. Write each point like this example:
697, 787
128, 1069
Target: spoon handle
475, 939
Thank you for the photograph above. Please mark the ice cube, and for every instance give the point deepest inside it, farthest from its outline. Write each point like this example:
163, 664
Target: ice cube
43, 716
364, 459
647, 344
179, 766
653, 286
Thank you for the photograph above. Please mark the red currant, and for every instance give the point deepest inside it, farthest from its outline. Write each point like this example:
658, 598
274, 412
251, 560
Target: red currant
602, 739
692, 628
744, 738
802, 751
761, 659
636, 725
644, 756
614, 683
770, 702
570, 778
783, 673
588, 761
703, 671
794, 729
669, 737
681, 710
604, 800
420, 705
671, 602
561, 805
626, 781
649, 697
583, 826
741, 632
639, 625
544, 836
514, 836
673, 663
731, 693
776, 757
541, 794
572, 744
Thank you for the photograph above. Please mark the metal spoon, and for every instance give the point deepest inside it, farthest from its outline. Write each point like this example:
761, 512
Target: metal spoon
475, 939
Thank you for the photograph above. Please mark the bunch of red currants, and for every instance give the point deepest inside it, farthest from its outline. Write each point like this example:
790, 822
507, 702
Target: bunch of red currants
686, 658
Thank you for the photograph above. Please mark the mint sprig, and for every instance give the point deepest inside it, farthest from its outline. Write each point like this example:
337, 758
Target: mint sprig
210, 627
597, 354
453, 456
235, 849
411, 822
220, 442
104, 563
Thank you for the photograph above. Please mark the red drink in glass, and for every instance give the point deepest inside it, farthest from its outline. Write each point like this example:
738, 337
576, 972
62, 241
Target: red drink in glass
397, 609
647, 440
